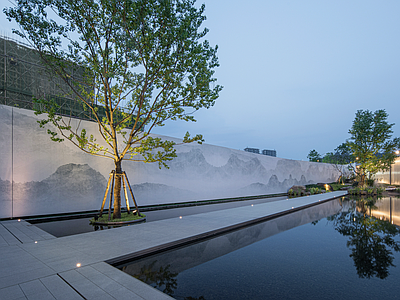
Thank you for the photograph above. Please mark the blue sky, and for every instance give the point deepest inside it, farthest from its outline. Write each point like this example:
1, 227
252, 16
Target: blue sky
295, 72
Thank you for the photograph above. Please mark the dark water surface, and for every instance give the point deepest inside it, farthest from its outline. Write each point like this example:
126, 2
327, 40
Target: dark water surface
342, 249
77, 226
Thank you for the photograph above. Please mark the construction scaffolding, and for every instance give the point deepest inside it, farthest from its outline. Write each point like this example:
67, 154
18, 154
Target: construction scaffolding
23, 77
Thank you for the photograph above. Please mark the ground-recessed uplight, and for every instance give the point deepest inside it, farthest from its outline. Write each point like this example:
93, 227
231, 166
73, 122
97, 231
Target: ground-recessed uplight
292, 207
180, 217
19, 220
78, 265
252, 205
35, 242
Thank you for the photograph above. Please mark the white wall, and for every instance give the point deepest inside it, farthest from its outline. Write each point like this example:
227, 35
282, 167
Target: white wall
49, 177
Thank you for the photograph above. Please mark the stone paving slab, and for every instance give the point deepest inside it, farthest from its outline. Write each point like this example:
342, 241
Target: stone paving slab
6, 237
35, 265
15, 232
59, 288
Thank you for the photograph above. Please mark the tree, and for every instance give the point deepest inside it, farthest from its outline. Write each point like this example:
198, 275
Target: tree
343, 154
314, 156
140, 63
340, 159
371, 143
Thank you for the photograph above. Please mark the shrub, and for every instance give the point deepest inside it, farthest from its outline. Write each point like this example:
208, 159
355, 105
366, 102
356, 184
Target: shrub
355, 191
370, 182
336, 186
315, 190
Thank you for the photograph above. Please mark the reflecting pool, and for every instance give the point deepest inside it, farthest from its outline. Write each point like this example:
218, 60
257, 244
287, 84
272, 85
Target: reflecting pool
343, 249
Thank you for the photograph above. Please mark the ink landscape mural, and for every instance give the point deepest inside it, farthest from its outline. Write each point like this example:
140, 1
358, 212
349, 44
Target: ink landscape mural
38, 176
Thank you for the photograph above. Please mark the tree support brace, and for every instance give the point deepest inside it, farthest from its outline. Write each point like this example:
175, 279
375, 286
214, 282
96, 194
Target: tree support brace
110, 182
133, 197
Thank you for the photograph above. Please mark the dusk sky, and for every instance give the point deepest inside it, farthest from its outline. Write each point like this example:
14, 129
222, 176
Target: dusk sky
295, 72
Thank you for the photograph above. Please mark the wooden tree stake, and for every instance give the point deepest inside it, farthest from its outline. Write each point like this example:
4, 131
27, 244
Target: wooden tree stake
133, 197
105, 195
111, 196
126, 193
124, 178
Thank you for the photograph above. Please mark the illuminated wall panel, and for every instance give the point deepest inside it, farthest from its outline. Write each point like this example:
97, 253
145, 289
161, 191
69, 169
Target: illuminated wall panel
52, 177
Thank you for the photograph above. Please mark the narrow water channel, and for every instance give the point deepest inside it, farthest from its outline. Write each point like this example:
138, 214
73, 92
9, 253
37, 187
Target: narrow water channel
82, 225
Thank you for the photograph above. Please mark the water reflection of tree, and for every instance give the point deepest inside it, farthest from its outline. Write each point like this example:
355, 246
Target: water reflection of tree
371, 240
162, 279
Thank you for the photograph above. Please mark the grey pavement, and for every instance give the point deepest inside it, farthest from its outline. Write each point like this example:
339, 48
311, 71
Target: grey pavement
36, 265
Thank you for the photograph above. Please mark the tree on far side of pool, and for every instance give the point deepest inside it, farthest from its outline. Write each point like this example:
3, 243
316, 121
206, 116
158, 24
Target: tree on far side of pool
371, 143
340, 159
314, 156
131, 65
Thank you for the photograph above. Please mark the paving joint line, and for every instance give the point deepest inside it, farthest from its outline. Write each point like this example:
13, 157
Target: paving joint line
58, 274
12, 234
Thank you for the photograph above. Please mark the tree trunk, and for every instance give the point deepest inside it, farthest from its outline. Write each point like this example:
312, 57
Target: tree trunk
117, 190
362, 179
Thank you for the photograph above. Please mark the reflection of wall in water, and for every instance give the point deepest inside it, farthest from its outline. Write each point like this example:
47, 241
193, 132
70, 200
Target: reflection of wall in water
387, 209
199, 253
394, 172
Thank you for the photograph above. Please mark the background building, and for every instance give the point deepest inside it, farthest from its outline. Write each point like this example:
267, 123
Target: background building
264, 152
24, 76
269, 152
252, 150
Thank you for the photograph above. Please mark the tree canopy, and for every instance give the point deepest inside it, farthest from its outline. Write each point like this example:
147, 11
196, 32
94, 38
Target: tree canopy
370, 148
371, 143
131, 64
314, 156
